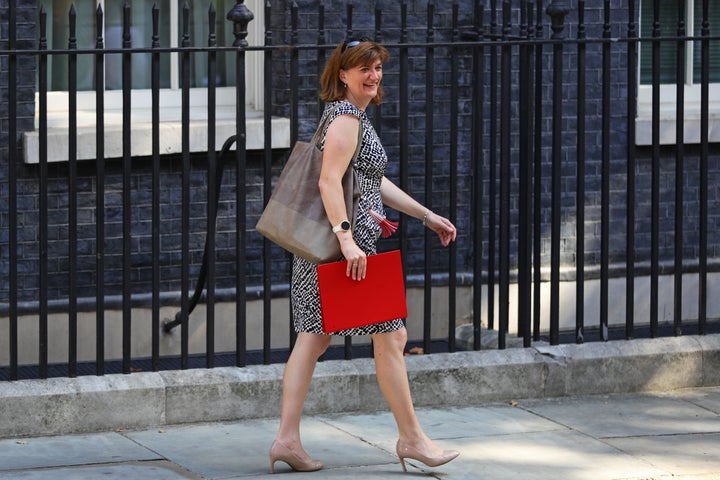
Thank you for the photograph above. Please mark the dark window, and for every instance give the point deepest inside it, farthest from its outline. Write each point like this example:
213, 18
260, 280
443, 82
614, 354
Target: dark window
668, 19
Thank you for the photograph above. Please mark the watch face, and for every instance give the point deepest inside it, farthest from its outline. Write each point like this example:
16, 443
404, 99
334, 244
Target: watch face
345, 226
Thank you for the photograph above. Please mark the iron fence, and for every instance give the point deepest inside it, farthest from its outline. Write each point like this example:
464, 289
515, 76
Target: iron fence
534, 150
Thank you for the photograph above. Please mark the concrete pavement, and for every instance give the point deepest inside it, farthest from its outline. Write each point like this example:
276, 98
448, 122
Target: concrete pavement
660, 436
621, 410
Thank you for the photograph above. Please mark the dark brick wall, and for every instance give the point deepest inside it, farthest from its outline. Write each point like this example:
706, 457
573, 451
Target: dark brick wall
25, 66
386, 115
25, 111
387, 121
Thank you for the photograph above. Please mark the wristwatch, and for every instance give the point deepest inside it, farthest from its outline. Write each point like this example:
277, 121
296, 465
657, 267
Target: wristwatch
343, 226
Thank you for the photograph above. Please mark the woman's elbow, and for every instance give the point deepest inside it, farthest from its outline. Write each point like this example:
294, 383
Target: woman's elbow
325, 186
322, 185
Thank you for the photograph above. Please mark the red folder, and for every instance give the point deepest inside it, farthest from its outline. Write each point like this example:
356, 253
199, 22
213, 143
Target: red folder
348, 303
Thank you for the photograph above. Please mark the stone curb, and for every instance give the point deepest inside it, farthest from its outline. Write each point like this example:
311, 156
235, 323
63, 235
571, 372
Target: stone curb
89, 404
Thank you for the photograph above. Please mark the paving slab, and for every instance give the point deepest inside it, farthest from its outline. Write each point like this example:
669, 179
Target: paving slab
554, 455
43, 452
213, 450
708, 398
709, 476
146, 470
385, 472
221, 450
692, 454
627, 415
444, 425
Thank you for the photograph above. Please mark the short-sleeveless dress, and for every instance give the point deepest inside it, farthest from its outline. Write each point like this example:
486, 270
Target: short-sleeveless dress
370, 169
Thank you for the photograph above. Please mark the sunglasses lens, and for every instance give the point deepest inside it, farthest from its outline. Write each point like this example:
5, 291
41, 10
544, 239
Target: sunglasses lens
354, 43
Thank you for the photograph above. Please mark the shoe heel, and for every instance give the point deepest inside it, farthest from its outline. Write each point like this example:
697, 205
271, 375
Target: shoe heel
280, 452
402, 462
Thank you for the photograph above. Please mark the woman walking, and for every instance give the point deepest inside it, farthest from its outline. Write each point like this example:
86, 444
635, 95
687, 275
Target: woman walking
349, 83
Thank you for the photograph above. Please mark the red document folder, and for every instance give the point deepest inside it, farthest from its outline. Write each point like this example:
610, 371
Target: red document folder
348, 303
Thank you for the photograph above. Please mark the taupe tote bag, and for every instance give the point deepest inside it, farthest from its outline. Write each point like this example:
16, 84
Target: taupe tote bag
295, 217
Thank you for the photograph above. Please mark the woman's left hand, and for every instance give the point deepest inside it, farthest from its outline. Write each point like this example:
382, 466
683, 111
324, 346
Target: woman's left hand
444, 228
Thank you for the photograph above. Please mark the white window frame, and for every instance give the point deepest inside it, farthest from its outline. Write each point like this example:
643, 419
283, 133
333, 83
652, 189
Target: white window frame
668, 104
170, 112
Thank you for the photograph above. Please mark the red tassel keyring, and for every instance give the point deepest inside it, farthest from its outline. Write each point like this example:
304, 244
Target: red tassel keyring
388, 226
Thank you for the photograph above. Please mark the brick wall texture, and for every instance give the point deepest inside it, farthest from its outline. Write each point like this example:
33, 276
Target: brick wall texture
388, 121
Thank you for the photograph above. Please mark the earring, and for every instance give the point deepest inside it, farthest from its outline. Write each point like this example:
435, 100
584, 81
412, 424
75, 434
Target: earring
345, 85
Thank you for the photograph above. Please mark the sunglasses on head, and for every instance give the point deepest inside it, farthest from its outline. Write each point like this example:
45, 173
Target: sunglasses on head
353, 43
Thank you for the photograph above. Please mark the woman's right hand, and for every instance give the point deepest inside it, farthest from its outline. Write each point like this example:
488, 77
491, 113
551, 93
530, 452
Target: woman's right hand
356, 258
444, 228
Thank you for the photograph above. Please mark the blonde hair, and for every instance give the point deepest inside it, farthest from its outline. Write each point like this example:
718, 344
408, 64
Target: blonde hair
345, 57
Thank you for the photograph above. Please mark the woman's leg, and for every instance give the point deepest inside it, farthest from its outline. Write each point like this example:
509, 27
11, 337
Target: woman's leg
393, 380
296, 383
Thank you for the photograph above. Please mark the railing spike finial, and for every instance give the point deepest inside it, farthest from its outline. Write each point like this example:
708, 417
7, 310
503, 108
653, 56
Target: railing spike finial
240, 15
558, 10
185, 25
99, 39
42, 44
72, 18
212, 15
127, 36
349, 10
155, 26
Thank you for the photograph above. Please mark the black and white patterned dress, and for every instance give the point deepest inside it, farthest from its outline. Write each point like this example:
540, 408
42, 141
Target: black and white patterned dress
370, 169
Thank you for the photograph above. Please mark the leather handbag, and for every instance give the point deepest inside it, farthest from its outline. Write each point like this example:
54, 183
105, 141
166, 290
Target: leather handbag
295, 217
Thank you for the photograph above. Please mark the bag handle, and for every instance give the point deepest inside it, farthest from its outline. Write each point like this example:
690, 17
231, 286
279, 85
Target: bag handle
321, 128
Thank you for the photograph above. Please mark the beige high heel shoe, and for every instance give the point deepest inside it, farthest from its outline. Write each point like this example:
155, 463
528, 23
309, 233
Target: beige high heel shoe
280, 451
406, 451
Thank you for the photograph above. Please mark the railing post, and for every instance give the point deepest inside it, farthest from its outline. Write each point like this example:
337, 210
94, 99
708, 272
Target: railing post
100, 195
605, 174
537, 174
655, 175
704, 158
403, 125
525, 194
681, 54
557, 11
185, 187
632, 48
126, 190
156, 218
209, 257
580, 177
477, 148
492, 166
240, 15
72, 198
267, 176
506, 79
43, 200
429, 148
454, 95
12, 175
605, 177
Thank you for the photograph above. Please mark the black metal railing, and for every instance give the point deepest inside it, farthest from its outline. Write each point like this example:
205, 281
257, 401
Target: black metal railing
484, 128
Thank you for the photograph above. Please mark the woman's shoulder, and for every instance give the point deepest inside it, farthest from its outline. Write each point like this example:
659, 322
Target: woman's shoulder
343, 107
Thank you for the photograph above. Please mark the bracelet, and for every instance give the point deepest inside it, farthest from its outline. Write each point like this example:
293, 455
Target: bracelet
425, 217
